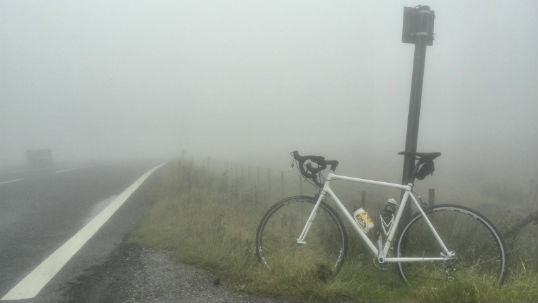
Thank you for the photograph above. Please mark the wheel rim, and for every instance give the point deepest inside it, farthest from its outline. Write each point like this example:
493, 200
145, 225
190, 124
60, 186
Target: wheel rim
479, 249
277, 247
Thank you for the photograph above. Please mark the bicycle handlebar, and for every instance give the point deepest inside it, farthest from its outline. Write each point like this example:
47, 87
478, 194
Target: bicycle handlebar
308, 170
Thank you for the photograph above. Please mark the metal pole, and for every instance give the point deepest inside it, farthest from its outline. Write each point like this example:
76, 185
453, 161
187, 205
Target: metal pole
414, 111
418, 29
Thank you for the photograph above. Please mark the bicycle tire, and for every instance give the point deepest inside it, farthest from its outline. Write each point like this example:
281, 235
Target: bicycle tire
479, 247
276, 239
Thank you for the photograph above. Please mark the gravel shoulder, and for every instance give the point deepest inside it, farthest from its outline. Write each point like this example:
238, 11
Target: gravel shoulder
136, 274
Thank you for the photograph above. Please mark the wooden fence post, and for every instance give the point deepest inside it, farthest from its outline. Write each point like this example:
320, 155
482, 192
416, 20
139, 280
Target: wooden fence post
533, 189
282, 182
269, 179
431, 196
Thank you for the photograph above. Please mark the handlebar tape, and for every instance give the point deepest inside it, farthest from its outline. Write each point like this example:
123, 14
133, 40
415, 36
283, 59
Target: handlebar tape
319, 160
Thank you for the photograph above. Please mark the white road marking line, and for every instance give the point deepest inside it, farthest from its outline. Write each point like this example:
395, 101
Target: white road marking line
32, 284
66, 170
11, 181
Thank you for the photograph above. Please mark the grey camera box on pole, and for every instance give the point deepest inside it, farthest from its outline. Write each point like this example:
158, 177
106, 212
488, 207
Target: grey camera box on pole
417, 23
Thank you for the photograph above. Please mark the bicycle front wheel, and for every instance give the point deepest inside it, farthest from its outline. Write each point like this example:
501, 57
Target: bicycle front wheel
479, 248
276, 239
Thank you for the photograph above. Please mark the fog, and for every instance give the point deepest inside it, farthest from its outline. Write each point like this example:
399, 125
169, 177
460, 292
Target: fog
250, 81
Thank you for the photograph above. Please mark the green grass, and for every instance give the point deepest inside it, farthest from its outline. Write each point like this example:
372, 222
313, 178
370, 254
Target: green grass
210, 221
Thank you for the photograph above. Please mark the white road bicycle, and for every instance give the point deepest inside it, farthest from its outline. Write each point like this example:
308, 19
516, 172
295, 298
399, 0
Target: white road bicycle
303, 234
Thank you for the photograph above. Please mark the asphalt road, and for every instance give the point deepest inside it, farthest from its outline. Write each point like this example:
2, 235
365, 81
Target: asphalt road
41, 210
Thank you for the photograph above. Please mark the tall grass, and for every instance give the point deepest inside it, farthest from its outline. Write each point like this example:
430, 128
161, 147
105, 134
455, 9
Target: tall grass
206, 220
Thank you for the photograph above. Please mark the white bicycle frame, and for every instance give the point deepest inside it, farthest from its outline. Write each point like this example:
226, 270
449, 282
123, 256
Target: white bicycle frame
381, 251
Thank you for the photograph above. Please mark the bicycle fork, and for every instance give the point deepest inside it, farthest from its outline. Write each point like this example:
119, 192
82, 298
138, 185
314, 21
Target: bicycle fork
311, 218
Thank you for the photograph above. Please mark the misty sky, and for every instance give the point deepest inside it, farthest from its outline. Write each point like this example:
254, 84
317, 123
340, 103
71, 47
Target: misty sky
96, 80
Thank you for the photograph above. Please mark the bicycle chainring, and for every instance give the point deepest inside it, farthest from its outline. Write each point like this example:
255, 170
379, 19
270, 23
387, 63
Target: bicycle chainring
380, 266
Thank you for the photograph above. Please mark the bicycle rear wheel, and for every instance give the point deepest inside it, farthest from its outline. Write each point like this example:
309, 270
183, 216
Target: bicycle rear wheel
276, 239
479, 248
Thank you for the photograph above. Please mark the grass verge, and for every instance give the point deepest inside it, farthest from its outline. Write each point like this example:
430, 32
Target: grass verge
210, 221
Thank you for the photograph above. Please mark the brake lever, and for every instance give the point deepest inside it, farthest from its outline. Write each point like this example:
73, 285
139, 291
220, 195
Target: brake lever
314, 170
310, 168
